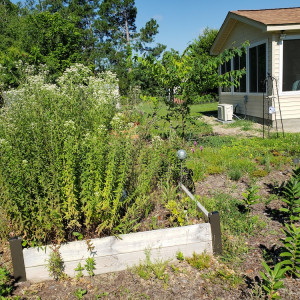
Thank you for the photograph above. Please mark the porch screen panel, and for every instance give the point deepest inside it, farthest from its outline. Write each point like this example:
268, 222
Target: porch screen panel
291, 65
261, 67
226, 67
253, 69
257, 68
239, 63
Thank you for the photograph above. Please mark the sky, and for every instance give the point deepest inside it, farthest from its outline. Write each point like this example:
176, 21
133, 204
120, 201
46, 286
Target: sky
181, 21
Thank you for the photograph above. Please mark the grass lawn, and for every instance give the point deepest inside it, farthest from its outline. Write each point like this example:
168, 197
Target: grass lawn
196, 109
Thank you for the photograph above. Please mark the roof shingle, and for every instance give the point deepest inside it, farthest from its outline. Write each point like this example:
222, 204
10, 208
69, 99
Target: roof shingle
278, 16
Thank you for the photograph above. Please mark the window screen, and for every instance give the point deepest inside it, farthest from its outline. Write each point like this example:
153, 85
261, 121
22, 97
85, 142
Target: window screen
257, 68
291, 65
239, 63
226, 67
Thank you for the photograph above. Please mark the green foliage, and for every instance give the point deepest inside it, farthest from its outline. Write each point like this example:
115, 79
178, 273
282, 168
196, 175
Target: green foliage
235, 174
291, 252
149, 269
119, 38
79, 270
78, 235
245, 125
79, 293
250, 197
180, 76
90, 265
199, 261
235, 227
55, 264
181, 210
180, 256
64, 159
5, 282
272, 280
259, 173
291, 193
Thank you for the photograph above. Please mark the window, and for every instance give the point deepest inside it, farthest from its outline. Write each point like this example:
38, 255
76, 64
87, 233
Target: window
226, 67
257, 68
291, 65
239, 63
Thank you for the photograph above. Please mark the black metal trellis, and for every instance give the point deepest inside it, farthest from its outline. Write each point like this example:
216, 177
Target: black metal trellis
270, 98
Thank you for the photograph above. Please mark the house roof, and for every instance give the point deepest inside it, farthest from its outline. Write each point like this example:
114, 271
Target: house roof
267, 20
278, 16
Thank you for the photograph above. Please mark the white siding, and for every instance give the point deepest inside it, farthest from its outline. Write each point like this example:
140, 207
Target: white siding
290, 104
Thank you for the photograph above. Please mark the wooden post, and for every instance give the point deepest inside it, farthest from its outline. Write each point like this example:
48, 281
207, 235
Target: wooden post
17, 259
214, 220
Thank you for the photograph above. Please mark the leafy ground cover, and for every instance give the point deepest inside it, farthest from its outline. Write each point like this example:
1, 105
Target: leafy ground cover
250, 201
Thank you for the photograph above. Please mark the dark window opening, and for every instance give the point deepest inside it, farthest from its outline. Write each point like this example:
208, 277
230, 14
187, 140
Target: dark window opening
226, 67
239, 63
291, 65
257, 68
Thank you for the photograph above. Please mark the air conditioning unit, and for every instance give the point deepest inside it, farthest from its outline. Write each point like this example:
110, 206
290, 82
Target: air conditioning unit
225, 112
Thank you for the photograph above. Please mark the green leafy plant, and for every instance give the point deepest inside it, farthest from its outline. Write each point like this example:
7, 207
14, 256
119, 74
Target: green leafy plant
272, 279
79, 293
90, 265
291, 193
148, 269
55, 264
199, 261
79, 270
5, 282
180, 256
235, 174
291, 253
78, 235
250, 197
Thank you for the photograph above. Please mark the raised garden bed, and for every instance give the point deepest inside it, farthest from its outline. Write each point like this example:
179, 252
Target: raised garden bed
118, 253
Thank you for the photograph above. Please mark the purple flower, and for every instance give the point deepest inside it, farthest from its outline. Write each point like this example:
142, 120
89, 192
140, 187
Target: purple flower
193, 150
195, 143
201, 148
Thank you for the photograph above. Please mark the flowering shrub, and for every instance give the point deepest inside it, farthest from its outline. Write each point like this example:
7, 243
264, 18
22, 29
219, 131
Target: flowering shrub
63, 168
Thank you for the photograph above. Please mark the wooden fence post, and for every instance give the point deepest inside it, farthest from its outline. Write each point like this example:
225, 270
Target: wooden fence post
17, 259
214, 220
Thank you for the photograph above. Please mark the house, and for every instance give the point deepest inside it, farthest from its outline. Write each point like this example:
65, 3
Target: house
274, 50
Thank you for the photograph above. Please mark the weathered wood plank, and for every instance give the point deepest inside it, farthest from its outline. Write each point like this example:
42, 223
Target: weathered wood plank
121, 261
127, 243
199, 206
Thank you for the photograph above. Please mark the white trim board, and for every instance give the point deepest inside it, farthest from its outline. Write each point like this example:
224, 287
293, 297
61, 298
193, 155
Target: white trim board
115, 254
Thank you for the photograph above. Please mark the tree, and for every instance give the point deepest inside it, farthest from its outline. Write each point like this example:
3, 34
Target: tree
198, 53
184, 77
52, 40
118, 38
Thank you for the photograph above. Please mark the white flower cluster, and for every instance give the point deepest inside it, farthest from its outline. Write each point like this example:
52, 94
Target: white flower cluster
69, 124
156, 141
104, 88
52, 88
76, 74
13, 95
117, 122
